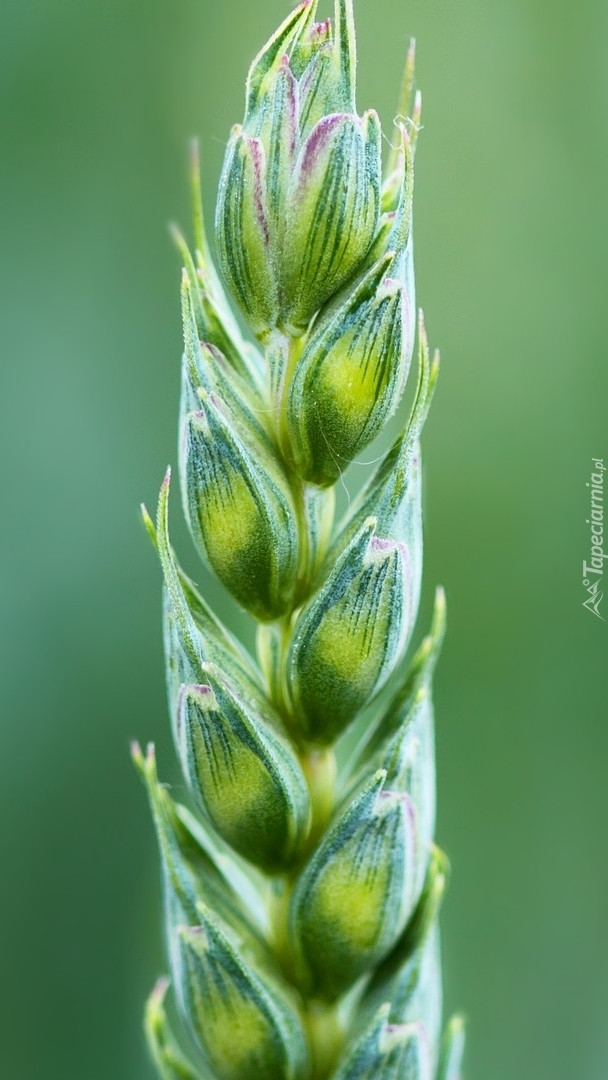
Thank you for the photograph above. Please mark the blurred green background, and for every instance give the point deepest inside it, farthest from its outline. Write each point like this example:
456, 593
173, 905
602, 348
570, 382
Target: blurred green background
97, 103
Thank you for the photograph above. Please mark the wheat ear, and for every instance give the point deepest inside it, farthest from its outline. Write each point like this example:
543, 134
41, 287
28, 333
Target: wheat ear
301, 898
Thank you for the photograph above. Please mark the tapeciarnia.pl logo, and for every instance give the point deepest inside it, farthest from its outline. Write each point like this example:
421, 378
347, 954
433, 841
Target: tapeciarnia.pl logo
596, 521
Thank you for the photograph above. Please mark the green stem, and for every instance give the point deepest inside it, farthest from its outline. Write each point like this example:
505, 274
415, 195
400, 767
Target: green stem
319, 767
326, 1037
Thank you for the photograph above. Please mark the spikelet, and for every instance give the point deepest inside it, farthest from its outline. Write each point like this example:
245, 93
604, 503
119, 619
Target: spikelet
302, 891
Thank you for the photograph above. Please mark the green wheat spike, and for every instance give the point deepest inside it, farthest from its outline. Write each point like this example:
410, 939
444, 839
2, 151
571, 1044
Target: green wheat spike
302, 894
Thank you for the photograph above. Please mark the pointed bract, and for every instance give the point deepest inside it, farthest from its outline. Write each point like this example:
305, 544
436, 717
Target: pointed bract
192, 633
346, 49
270, 57
243, 232
349, 379
213, 321
243, 773
333, 209
240, 511
409, 977
206, 368
409, 759
453, 1050
393, 492
388, 1052
415, 688
168, 1058
354, 897
190, 873
351, 635
246, 1024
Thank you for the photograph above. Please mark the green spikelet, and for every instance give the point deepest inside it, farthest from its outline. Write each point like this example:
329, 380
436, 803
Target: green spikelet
302, 889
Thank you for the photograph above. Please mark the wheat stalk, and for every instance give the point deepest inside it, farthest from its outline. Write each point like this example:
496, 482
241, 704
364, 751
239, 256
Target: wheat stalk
301, 902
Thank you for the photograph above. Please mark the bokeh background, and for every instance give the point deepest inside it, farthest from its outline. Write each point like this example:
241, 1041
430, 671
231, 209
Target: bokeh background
97, 103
